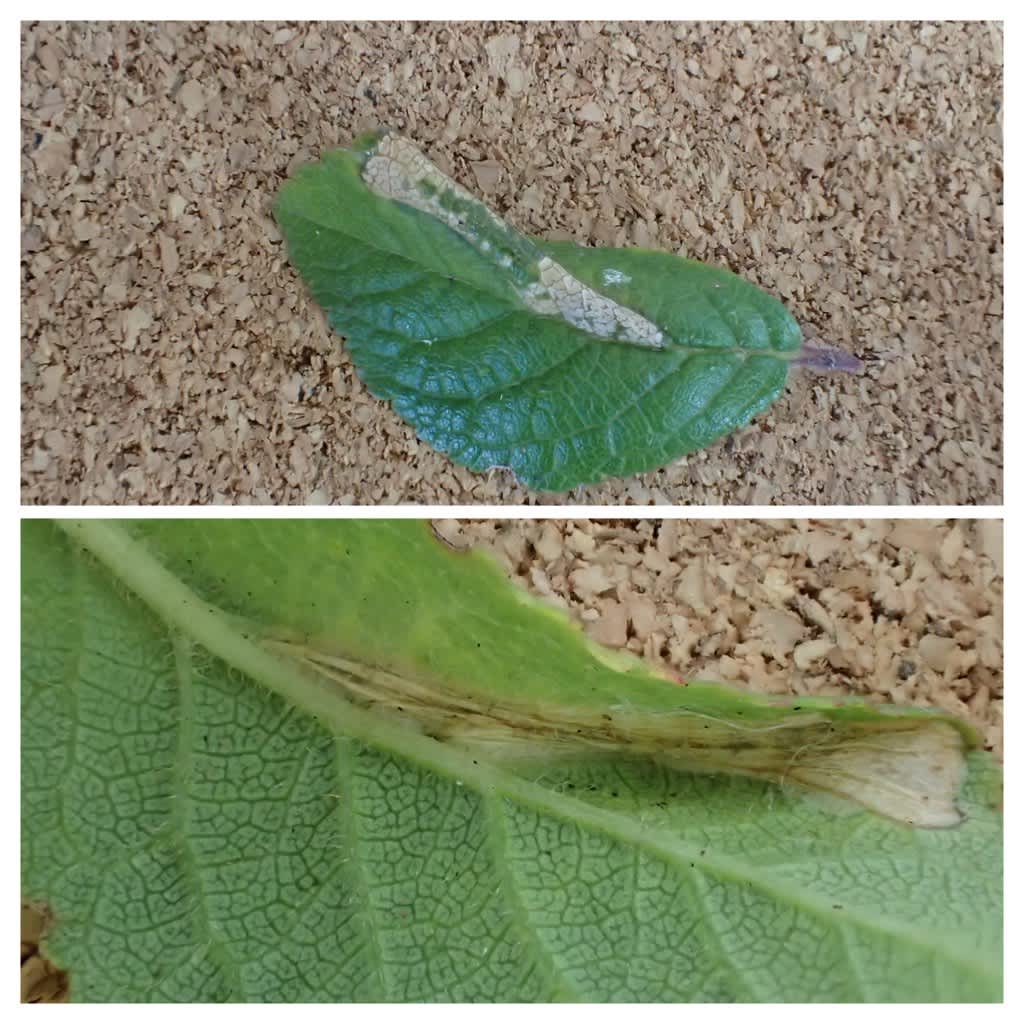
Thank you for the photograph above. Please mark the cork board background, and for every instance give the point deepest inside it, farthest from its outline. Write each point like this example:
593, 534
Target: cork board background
170, 354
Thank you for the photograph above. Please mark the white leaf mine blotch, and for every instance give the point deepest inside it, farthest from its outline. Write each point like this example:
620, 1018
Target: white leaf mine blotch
611, 276
397, 170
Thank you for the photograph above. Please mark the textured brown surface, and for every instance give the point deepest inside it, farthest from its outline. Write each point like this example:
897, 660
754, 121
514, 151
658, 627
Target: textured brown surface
41, 981
171, 355
908, 612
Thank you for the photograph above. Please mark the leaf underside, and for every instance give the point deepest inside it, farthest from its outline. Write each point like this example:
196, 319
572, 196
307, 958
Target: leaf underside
441, 330
199, 837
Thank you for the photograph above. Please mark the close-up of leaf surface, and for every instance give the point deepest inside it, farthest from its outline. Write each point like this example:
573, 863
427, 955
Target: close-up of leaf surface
215, 807
562, 363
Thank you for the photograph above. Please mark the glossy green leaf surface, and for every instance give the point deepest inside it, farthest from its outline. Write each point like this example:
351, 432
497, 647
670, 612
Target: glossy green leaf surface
208, 823
439, 327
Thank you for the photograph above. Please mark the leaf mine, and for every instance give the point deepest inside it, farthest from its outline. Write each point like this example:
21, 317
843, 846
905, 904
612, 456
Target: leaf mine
397, 170
908, 769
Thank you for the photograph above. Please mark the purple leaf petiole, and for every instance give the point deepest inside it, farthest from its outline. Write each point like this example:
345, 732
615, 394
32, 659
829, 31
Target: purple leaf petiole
824, 359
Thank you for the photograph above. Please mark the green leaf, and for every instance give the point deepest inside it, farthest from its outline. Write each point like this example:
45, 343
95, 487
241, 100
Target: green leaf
210, 814
493, 358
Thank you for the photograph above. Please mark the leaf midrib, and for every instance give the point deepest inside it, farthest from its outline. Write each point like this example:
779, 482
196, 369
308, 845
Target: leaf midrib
182, 609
